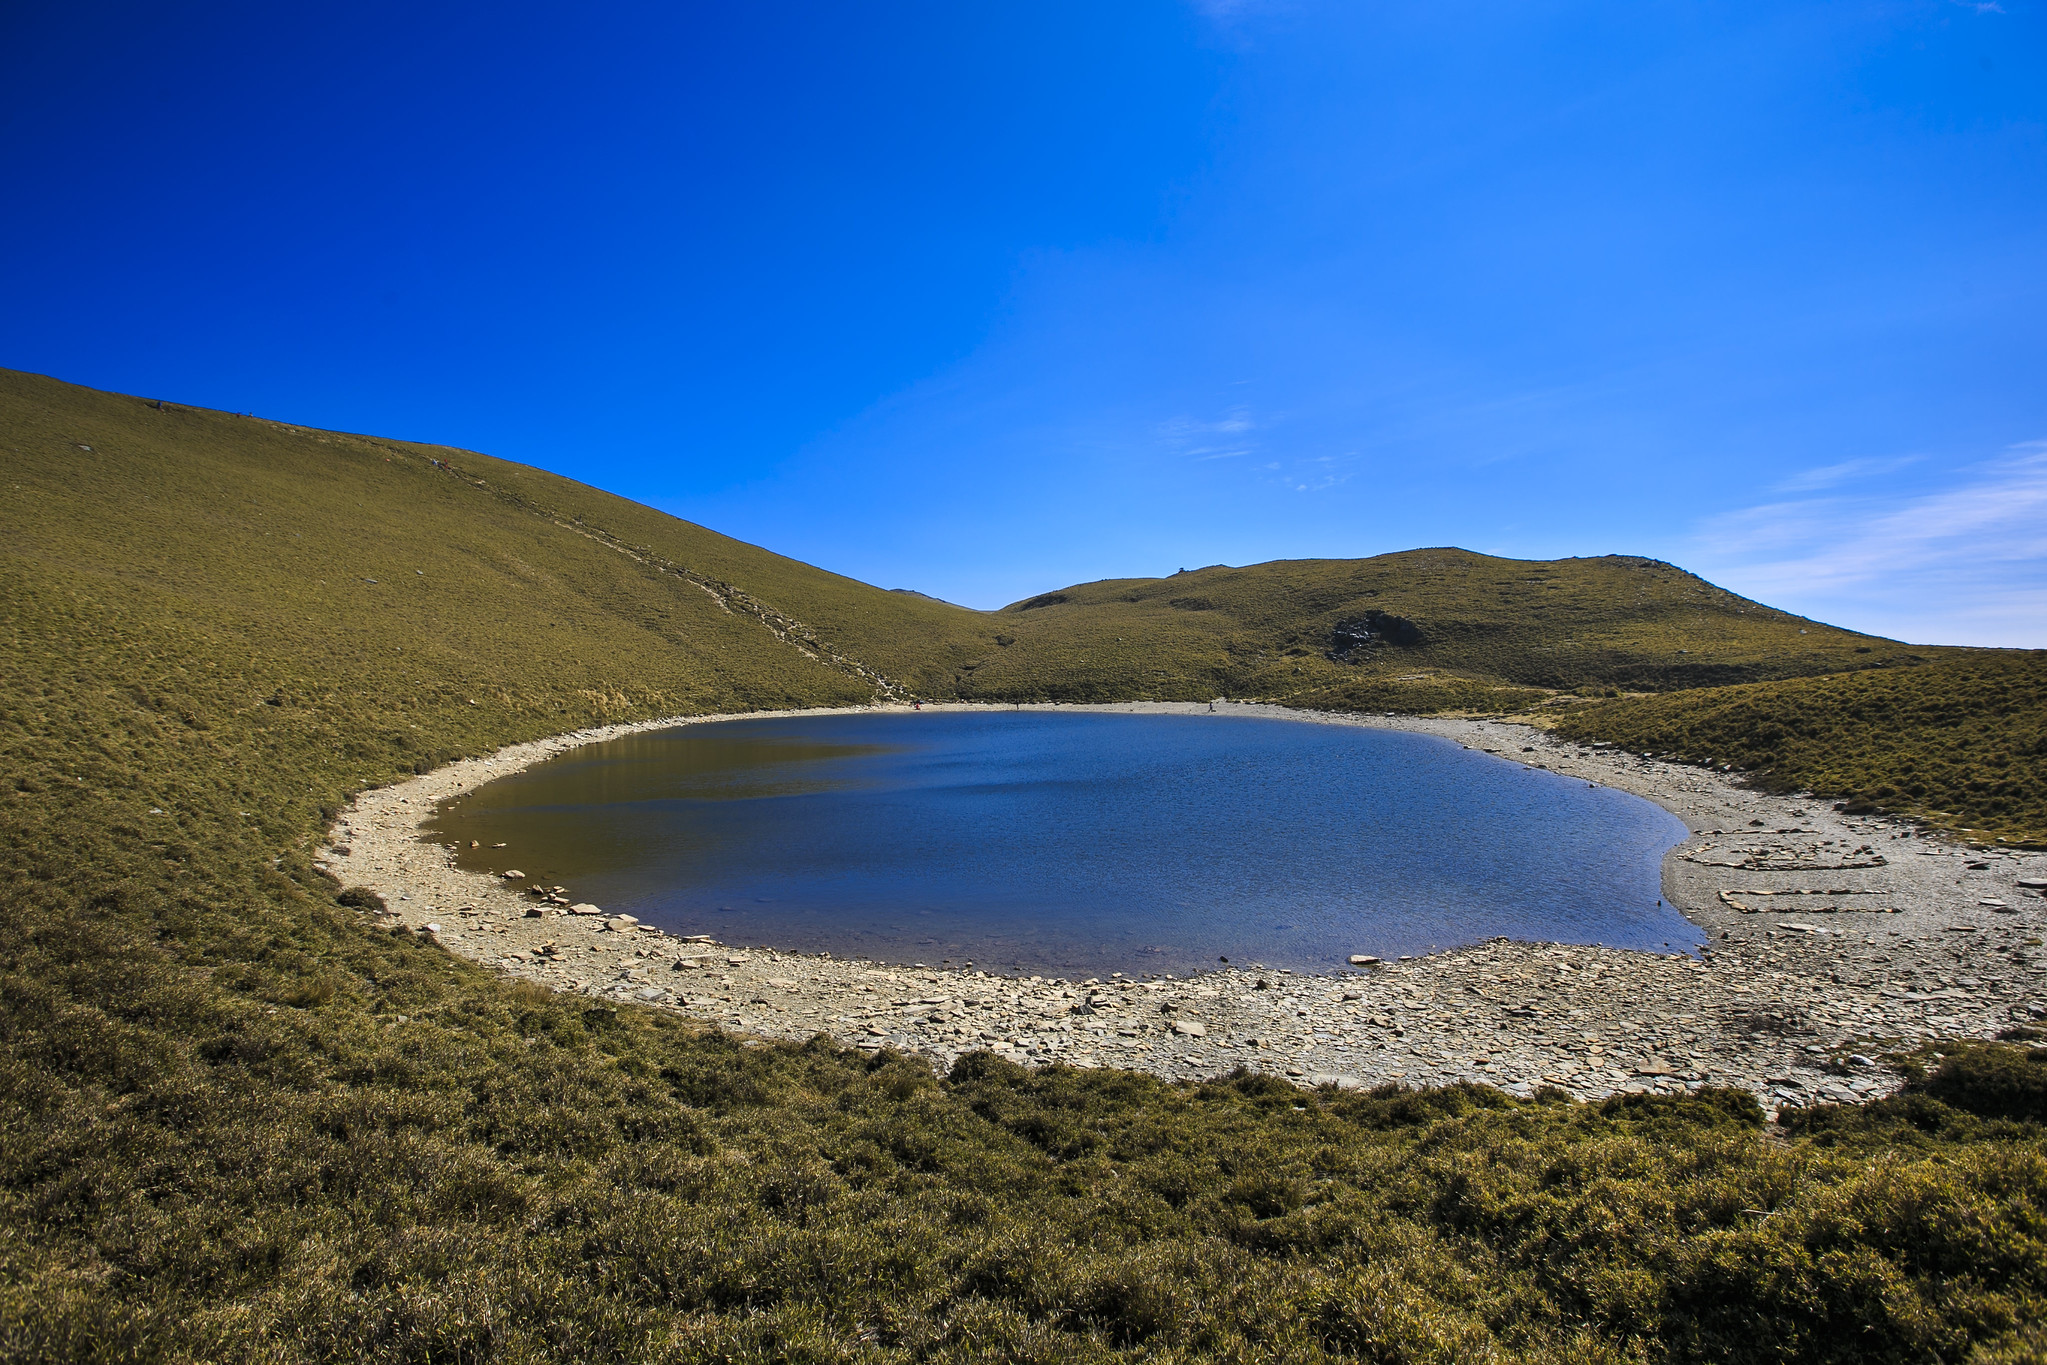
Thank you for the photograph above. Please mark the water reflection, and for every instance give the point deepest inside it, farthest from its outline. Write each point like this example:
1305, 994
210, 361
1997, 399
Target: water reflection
1079, 843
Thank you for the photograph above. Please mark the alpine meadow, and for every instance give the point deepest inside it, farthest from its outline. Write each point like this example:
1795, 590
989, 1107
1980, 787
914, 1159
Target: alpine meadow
244, 1121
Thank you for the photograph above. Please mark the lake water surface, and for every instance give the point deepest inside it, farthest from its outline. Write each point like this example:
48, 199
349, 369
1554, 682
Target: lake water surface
1080, 843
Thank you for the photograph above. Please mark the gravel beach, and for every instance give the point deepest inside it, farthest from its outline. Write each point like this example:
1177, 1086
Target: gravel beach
1832, 938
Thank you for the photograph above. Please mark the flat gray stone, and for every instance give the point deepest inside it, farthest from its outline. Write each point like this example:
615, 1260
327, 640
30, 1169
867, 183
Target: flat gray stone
1335, 1078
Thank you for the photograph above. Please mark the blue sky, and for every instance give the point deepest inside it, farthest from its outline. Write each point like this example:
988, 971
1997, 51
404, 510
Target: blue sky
986, 299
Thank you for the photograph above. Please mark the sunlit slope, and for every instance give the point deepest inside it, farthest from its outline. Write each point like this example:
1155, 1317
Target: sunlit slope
1269, 629
1960, 742
335, 559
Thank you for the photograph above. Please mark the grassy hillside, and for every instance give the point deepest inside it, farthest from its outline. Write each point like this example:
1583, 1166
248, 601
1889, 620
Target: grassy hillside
1960, 742
238, 1124
1469, 623
468, 577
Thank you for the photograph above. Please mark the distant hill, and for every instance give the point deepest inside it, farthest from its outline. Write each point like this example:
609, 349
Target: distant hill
327, 551
1395, 630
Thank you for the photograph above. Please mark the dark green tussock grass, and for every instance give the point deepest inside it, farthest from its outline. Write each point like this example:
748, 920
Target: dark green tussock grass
237, 1123
1961, 1087
1960, 742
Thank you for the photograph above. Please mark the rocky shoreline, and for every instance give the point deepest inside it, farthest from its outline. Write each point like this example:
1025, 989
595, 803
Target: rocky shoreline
1831, 939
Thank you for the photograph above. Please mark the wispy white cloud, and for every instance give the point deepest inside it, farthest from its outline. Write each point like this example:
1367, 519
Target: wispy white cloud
1230, 423
1318, 473
1981, 6
1962, 564
1998, 515
1235, 434
1219, 438
1828, 476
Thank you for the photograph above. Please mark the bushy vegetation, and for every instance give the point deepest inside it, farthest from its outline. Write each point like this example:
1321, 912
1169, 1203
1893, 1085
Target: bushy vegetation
1960, 742
512, 1176
239, 1124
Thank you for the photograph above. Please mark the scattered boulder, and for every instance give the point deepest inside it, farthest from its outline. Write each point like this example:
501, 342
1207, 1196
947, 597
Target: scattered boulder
584, 908
1351, 640
1362, 959
515, 875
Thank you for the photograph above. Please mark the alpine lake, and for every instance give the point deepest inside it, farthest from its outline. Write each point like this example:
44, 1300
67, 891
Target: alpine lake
1076, 843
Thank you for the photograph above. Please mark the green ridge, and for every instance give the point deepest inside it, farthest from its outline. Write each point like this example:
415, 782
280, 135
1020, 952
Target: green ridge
218, 1141
1479, 622
1960, 743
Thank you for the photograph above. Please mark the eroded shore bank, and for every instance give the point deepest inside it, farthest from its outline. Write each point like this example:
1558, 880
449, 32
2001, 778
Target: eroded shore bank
1831, 938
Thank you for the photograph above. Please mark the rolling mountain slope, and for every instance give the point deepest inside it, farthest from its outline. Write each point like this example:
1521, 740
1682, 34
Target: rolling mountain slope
346, 558
236, 1124
1960, 742
1447, 614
